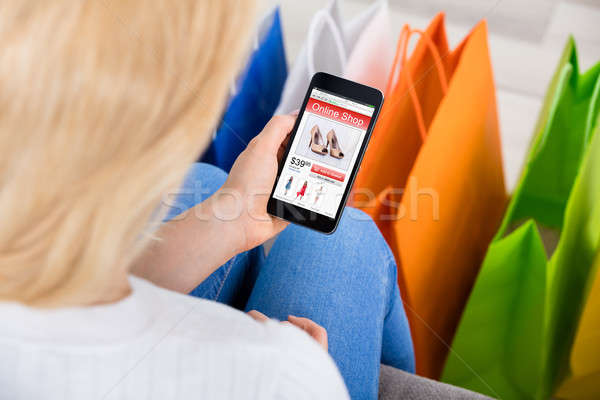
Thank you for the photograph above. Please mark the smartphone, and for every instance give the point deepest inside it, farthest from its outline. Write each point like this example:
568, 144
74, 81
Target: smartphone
325, 150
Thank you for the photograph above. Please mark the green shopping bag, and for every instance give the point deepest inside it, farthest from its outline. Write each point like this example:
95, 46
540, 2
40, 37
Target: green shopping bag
518, 325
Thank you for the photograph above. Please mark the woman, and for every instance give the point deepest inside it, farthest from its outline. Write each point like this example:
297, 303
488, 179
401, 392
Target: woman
288, 185
103, 108
302, 190
318, 194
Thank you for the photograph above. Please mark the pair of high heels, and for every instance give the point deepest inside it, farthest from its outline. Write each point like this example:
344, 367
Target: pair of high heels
318, 146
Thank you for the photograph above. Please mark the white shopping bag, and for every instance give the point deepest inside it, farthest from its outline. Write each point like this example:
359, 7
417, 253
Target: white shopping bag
361, 50
372, 56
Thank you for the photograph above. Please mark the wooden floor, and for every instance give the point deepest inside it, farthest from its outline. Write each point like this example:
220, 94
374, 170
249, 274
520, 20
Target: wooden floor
526, 40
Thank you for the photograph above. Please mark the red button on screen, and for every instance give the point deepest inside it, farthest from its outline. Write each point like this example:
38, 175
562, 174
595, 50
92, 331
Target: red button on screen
338, 176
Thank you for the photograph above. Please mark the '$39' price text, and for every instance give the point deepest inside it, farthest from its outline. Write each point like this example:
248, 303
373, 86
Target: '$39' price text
299, 163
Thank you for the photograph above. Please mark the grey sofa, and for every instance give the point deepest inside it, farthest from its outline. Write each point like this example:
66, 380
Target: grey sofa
395, 384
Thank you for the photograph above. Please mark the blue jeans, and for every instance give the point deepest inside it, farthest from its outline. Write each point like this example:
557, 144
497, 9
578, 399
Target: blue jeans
345, 282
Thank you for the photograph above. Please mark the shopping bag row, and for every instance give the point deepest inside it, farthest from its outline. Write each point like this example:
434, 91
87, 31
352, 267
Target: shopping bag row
503, 295
360, 50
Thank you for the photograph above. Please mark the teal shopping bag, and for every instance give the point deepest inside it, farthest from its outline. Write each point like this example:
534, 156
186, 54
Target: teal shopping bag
517, 328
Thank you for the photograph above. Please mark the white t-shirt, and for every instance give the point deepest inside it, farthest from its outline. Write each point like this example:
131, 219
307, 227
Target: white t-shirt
158, 344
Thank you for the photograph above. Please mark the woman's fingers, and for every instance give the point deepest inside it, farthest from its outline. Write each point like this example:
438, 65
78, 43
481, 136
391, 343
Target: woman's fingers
257, 315
315, 330
275, 132
282, 147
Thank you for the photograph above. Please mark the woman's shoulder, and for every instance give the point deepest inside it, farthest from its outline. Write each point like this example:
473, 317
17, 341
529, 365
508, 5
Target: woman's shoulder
206, 321
290, 357
159, 340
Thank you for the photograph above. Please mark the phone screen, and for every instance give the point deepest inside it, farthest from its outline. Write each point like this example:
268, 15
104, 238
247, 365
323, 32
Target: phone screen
322, 156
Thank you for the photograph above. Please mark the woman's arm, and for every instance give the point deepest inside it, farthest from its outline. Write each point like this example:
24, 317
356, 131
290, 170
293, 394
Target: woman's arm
231, 221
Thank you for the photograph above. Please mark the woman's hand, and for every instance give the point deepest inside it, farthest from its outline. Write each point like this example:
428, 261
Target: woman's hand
244, 196
229, 222
315, 330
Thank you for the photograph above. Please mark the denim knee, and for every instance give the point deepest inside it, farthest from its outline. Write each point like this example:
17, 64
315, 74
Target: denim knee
357, 223
201, 181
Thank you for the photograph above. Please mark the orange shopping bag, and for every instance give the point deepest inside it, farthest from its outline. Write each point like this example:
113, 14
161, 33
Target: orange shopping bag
435, 166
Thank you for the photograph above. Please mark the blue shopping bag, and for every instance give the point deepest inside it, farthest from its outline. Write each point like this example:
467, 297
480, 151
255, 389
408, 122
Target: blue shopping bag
257, 97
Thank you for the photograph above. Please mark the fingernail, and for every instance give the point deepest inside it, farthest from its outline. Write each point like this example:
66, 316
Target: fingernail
257, 312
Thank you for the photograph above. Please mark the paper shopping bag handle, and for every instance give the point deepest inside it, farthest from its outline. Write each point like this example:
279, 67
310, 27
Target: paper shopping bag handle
400, 67
323, 17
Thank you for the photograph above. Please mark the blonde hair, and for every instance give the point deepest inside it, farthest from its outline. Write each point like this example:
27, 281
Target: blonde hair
103, 106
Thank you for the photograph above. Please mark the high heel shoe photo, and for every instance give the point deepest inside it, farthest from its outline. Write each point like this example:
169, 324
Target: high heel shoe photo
316, 141
334, 145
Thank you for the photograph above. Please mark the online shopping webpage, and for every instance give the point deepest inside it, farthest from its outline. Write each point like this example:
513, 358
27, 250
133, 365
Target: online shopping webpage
321, 158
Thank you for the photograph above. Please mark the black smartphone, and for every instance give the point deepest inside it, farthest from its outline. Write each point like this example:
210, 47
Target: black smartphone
325, 150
